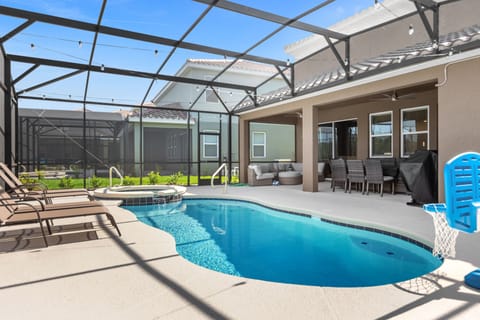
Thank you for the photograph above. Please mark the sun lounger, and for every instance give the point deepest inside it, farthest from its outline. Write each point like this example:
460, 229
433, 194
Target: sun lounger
21, 191
12, 212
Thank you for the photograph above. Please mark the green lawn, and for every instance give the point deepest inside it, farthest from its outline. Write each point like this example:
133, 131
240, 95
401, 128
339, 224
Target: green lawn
97, 182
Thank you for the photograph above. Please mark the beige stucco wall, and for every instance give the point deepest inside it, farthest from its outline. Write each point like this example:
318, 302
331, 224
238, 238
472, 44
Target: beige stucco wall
459, 112
361, 112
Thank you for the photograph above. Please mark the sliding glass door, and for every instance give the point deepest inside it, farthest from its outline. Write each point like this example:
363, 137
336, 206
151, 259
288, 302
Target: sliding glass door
337, 140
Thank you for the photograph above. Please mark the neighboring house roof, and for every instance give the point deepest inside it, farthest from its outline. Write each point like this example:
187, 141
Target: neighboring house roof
419, 50
71, 114
156, 114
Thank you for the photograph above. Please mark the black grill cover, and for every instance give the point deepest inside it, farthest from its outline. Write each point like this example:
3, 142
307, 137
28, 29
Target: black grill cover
419, 172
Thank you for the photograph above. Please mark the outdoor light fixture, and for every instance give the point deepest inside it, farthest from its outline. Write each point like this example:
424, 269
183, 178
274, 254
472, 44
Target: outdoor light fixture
155, 52
80, 43
377, 4
197, 88
288, 62
32, 46
102, 67
410, 30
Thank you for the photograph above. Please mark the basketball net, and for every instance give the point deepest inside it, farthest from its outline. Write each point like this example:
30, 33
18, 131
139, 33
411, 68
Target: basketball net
445, 236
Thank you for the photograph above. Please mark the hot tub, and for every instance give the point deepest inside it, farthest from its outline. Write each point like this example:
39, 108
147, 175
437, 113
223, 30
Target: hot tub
141, 195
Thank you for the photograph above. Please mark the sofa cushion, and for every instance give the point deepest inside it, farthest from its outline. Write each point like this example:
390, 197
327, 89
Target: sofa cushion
297, 166
289, 174
257, 169
266, 175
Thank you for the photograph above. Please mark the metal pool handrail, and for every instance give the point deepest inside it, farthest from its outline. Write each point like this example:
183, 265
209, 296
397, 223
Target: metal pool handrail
110, 171
226, 178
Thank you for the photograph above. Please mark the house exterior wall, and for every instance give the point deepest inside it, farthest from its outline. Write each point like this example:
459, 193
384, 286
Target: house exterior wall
459, 116
393, 36
361, 112
186, 94
280, 141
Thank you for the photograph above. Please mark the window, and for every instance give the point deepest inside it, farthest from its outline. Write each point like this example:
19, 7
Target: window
414, 130
259, 141
381, 130
210, 96
210, 146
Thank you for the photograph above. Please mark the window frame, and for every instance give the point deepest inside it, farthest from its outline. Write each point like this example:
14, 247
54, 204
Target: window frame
264, 145
210, 133
371, 136
402, 134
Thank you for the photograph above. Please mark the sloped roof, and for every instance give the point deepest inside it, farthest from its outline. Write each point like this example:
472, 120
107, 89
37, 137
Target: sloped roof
243, 65
161, 113
427, 49
70, 114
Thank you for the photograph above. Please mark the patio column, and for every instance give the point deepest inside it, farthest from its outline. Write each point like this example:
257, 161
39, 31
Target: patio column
243, 147
310, 149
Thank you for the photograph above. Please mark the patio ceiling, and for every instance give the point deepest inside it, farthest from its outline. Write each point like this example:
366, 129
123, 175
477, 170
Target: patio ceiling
157, 52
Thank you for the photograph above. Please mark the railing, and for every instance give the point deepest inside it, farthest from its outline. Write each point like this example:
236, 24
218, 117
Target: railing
110, 171
223, 166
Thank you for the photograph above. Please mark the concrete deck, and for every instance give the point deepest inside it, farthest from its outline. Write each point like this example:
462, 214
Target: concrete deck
90, 272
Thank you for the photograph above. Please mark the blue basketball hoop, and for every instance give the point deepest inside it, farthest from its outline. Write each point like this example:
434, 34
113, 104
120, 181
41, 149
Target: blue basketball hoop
462, 199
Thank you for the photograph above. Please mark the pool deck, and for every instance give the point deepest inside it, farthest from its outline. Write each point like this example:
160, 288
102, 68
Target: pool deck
93, 274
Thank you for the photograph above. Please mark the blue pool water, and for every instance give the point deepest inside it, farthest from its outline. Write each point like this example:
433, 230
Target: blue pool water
248, 240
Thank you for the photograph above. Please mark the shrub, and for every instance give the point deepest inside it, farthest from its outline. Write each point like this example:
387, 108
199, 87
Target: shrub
95, 182
128, 181
66, 183
154, 177
26, 179
173, 179
40, 174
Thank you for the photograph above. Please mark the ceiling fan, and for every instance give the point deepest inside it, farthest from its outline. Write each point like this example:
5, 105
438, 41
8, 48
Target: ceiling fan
394, 96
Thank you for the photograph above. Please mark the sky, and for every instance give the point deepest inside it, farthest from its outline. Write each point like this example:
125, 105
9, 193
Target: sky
164, 18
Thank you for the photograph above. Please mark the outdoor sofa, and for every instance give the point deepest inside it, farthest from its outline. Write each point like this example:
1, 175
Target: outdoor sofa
262, 174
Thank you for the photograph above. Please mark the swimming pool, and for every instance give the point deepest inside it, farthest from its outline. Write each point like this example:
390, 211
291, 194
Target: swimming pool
245, 239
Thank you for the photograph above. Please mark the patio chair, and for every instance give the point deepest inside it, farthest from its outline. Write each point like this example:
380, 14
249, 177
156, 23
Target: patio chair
12, 212
374, 175
356, 174
339, 173
22, 192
